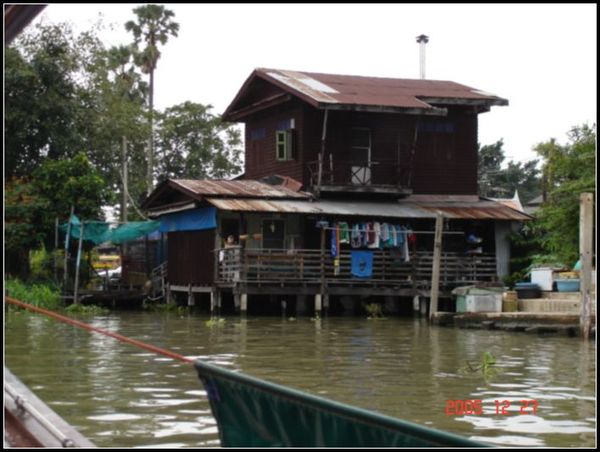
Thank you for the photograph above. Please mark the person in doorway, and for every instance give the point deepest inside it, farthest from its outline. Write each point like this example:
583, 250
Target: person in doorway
231, 258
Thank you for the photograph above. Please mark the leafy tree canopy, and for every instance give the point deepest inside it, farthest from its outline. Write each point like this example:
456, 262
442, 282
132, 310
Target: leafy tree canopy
569, 170
195, 144
32, 204
498, 182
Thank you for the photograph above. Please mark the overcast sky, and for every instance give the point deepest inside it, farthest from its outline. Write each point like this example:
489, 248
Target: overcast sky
542, 58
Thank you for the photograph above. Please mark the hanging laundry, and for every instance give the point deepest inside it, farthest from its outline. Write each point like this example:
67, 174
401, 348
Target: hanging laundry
408, 233
393, 236
370, 234
356, 237
385, 233
363, 230
334, 243
362, 263
374, 244
344, 232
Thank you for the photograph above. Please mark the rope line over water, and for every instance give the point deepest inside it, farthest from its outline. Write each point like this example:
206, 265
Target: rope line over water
87, 326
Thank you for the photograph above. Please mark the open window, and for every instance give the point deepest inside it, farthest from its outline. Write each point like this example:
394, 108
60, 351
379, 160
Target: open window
284, 144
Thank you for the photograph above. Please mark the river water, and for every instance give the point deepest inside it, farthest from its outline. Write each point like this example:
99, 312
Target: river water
120, 396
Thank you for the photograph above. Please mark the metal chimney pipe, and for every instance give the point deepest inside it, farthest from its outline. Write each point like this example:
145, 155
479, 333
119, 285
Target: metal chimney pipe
422, 40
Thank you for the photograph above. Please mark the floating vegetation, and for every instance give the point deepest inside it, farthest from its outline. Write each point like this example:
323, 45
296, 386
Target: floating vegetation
215, 322
91, 309
374, 310
487, 367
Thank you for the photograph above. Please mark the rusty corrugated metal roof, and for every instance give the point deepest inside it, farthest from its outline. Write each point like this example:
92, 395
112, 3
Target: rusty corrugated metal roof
482, 210
339, 91
468, 208
238, 188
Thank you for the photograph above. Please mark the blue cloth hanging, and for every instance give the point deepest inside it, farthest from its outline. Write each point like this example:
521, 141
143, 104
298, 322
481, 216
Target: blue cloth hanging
334, 243
362, 263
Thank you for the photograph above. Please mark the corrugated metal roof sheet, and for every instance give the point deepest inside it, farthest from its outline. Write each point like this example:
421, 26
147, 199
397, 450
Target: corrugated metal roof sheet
465, 210
376, 91
238, 188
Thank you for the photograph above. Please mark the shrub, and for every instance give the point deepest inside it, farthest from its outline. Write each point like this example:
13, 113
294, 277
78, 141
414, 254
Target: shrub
40, 295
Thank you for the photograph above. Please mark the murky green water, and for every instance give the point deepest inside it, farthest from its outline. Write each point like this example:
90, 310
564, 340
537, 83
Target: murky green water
119, 396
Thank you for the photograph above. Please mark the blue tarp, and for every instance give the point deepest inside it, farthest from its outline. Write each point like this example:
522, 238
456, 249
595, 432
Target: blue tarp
190, 220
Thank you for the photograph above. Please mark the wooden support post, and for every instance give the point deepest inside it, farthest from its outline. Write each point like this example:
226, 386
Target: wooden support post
124, 188
435, 271
170, 299
191, 301
322, 153
76, 288
67, 237
586, 238
318, 304
244, 303
56, 250
237, 302
213, 301
284, 308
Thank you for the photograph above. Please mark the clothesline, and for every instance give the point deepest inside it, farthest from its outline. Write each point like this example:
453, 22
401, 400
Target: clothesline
407, 231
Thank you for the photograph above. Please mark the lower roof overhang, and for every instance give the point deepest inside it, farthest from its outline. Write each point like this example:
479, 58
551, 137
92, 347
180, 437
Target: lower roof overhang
475, 209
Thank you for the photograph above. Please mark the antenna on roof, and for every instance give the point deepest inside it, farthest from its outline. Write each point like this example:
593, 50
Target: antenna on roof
422, 40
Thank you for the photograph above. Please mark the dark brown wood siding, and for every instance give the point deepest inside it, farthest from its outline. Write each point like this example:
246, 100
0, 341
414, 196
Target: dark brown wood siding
446, 156
190, 260
261, 158
444, 161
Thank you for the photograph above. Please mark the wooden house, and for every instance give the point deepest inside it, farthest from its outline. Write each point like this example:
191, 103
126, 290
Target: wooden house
323, 152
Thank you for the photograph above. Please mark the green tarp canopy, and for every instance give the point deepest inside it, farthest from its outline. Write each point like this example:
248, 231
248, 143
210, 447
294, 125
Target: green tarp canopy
255, 413
100, 232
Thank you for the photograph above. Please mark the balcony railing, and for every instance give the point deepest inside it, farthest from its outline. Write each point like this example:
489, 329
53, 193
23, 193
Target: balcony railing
308, 267
336, 172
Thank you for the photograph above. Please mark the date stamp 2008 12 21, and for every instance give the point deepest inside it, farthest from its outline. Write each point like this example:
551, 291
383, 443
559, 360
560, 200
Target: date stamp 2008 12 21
475, 407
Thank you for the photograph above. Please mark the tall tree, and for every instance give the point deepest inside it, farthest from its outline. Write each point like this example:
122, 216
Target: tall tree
193, 143
498, 182
43, 73
569, 170
153, 27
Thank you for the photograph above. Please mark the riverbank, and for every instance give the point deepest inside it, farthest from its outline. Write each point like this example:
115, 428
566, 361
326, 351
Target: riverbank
528, 322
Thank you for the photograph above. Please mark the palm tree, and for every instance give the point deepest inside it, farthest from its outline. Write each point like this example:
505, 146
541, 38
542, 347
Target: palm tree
153, 27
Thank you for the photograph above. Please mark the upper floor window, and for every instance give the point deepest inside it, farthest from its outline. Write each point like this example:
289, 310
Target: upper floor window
284, 140
285, 144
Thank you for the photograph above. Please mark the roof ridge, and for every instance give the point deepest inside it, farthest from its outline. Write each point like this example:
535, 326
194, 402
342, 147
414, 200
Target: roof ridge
264, 69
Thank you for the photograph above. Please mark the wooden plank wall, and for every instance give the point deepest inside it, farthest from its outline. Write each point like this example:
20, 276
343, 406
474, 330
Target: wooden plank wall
190, 257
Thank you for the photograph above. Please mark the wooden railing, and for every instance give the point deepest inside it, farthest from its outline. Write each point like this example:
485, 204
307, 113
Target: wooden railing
346, 172
276, 266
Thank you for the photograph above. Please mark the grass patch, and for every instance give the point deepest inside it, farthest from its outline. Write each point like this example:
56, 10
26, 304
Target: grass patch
41, 295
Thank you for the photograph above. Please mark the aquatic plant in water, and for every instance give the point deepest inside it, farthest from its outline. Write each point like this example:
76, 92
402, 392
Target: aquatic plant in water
487, 366
374, 310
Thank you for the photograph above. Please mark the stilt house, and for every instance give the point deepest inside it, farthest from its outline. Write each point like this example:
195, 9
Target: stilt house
344, 176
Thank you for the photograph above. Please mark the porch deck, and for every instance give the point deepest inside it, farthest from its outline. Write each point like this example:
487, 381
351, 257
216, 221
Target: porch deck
316, 269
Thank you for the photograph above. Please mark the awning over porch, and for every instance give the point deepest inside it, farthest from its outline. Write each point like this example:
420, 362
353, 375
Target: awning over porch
454, 207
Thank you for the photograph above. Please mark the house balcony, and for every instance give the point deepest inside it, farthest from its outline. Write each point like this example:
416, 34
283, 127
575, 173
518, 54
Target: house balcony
313, 271
381, 177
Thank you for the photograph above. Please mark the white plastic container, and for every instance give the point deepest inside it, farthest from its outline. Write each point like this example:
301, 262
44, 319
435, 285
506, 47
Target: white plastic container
542, 277
484, 303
